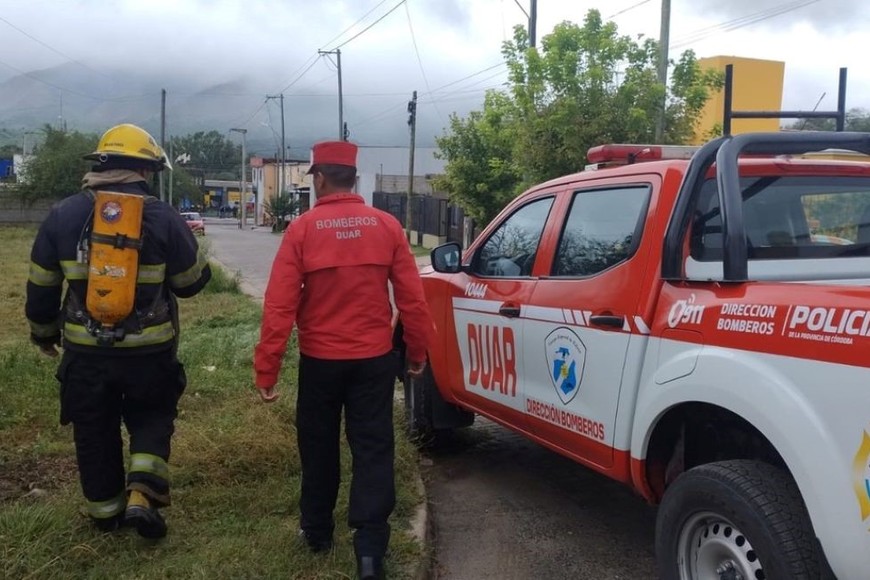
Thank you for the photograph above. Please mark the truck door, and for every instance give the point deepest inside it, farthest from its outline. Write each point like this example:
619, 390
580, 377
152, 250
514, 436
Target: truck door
486, 304
581, 318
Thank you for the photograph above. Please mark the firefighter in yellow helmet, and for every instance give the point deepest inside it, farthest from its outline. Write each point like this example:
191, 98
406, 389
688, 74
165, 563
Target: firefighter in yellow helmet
119, 357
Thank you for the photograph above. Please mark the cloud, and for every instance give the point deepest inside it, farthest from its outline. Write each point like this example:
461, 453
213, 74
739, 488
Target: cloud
451, 12
775, 14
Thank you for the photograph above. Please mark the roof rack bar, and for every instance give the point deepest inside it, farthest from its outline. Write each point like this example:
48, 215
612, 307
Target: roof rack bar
726, 151
841, 101
785, 115
839, 115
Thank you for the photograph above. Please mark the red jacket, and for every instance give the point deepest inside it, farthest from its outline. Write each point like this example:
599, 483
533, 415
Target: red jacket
330, 278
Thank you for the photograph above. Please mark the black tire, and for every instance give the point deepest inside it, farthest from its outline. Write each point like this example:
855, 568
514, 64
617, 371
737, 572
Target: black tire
748, 508
418, 406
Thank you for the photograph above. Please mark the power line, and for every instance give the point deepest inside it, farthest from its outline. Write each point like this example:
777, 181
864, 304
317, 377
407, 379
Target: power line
274, 133
251, 117
472, 75
419, 60
447, 98
367, 28
54, 50
741, 22
391, 108
360, 19
467, 88
312, 60
629, 9
750, 17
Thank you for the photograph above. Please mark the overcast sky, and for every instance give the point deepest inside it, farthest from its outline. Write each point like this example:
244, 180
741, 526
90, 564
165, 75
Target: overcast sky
269, 42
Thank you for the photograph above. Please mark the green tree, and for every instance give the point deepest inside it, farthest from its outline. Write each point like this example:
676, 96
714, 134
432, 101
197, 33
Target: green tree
586, 86
9, 150
184, 186
280, 207
480, 174
857, 119
211, 153
56, 168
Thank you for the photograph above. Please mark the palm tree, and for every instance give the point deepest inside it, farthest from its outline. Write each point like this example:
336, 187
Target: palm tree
281, 208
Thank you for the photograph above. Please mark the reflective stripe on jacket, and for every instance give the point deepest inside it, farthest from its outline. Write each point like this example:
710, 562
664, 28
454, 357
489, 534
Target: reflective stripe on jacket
170, 261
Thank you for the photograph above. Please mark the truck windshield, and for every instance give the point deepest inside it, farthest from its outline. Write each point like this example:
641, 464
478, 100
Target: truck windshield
790, 217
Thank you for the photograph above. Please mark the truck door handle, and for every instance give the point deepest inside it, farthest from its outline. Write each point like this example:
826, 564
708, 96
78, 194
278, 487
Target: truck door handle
607, 320
509, 310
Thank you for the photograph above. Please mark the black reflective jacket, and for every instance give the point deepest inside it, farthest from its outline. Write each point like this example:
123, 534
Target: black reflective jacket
170, 264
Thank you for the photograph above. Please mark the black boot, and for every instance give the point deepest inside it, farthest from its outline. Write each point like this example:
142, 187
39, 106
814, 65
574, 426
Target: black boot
370, 567
316, 544
109, 524
140, 514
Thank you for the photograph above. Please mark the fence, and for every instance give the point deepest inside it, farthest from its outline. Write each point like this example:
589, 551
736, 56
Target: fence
430, 216
15, 211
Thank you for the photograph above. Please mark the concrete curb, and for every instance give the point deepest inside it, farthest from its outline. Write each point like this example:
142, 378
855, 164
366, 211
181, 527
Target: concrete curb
421, 529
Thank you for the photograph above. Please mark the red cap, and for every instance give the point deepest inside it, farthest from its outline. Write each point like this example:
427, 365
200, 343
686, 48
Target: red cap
333, 153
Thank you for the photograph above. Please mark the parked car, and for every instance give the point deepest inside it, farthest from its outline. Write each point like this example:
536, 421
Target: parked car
194, 222
676, 326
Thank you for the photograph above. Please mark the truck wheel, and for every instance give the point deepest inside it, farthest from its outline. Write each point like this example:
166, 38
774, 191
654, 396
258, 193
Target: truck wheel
418, 406
735, 520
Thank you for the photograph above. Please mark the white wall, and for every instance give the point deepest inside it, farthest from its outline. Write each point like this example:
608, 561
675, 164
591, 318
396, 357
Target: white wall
372, 161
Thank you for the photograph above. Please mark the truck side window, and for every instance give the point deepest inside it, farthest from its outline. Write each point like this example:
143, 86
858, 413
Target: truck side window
603, 228
511, 249
790, 217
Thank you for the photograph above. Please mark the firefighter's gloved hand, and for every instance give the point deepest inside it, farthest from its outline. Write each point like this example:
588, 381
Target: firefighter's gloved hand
269, 394
416, 368
47, 345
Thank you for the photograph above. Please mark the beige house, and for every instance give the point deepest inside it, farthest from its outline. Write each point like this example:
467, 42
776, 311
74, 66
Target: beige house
266, 177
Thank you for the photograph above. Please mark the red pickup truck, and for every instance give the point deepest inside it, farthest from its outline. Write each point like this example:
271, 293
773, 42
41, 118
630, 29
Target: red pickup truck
694, 324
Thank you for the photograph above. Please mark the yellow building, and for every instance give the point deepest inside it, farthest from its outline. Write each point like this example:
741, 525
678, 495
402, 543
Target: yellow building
757, 87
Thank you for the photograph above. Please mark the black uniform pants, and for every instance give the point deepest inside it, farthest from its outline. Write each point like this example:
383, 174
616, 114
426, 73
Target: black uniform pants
97, 394
364, 388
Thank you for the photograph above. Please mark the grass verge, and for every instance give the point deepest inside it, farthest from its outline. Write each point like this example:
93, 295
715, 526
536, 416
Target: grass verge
235, 464
419, 251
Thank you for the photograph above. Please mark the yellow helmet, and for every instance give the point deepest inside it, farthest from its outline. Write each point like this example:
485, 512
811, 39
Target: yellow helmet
128, 140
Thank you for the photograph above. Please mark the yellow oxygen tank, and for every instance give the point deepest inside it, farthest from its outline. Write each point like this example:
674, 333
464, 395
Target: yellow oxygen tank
114, 256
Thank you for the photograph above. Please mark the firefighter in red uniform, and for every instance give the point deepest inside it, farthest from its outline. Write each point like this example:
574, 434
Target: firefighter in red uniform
131, 374
330, 277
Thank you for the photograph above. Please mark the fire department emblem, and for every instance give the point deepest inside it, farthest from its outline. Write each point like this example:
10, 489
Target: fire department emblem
110, 212
861, 476
566, 359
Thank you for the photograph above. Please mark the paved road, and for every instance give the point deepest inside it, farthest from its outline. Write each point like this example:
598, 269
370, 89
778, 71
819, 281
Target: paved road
501, 507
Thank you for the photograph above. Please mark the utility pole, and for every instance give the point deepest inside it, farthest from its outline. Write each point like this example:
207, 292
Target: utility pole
412, 122
61, 122
243, 202
280, 159
532, 15
283, 149
342, 133
162, 136
171, 178
664, 40
533, 23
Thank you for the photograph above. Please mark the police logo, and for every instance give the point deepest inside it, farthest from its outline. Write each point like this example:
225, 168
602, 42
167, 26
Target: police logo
110, 212
566, 359
861, 477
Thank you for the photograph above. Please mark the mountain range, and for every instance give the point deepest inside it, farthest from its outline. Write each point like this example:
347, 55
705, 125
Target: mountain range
89, 101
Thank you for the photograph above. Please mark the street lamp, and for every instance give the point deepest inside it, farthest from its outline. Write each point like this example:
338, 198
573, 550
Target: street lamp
242, 179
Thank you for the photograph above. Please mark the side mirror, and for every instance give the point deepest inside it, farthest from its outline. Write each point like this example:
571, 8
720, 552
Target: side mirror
447, 258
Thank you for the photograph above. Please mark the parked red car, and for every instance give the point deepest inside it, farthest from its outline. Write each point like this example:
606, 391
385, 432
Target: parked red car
195, 222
